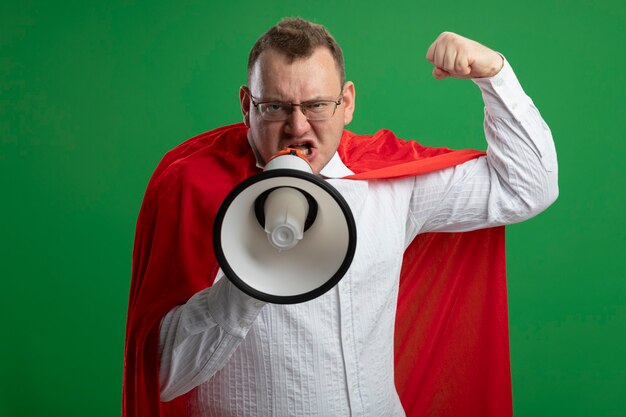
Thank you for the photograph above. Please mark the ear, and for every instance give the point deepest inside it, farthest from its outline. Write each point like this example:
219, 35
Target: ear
349, 101
244, 100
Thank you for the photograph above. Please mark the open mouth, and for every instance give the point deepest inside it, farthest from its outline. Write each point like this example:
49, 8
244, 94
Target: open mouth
305, 148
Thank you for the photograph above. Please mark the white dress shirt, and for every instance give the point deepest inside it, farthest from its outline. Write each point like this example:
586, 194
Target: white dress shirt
334, 355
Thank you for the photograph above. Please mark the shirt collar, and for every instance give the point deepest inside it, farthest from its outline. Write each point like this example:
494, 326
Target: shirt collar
335, 168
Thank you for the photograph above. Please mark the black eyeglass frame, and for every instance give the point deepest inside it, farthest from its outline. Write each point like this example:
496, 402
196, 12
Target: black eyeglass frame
256, 105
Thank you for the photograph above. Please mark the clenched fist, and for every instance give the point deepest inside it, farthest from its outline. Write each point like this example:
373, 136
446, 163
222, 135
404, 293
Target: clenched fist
459, 57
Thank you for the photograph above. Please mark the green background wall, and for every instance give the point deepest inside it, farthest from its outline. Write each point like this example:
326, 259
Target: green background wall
92, 95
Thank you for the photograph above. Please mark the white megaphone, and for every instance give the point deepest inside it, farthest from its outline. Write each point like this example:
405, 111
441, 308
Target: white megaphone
284, 236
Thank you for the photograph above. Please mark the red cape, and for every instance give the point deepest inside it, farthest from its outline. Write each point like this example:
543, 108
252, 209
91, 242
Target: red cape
451, 337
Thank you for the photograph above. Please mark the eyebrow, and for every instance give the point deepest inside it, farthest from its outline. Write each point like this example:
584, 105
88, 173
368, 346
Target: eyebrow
275, 100
313, 100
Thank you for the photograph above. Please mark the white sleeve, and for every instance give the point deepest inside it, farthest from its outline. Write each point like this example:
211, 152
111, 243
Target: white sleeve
516, 180
196, 339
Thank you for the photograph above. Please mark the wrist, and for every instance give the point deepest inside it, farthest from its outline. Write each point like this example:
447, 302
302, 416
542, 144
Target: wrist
497, 64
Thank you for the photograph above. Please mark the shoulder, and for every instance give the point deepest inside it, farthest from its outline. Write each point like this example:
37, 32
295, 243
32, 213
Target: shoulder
383, 149
205, 159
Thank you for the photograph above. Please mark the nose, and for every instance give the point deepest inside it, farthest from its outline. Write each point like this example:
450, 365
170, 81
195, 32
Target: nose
297, 123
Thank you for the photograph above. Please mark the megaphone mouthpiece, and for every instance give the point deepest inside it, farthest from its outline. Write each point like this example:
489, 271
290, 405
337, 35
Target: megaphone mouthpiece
289, 158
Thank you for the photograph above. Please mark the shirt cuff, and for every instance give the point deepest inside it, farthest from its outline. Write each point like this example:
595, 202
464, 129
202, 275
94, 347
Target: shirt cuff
503, 95
232, 309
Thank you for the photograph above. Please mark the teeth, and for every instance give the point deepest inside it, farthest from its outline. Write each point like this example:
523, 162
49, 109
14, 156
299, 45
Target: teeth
306, 150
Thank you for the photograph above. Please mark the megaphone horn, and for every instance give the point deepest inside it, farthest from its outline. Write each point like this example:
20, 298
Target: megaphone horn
285, 235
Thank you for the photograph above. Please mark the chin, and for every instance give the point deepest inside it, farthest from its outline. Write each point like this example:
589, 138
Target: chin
315, 166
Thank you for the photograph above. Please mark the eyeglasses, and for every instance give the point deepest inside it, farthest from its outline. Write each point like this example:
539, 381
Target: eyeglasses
274, 111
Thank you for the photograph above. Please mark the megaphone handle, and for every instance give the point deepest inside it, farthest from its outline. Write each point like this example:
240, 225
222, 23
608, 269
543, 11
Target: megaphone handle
259, 208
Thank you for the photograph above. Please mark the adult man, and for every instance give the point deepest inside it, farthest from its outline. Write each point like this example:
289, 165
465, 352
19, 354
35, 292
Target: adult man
224, 353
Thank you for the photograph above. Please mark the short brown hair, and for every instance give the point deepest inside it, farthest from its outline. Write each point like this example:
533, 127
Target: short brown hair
297, 38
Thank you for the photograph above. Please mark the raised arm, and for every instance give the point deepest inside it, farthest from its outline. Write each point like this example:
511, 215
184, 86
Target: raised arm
518, 177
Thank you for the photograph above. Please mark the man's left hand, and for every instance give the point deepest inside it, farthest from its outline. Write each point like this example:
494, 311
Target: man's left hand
459, 57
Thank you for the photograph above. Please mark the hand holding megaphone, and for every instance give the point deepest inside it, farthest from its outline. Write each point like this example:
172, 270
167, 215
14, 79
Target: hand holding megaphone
284, 235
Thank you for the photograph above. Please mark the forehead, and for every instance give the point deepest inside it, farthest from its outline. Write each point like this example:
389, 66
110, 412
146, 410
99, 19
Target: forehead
274, 76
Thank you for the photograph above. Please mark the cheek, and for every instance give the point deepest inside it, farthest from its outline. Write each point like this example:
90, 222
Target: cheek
331, 136
265, 138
